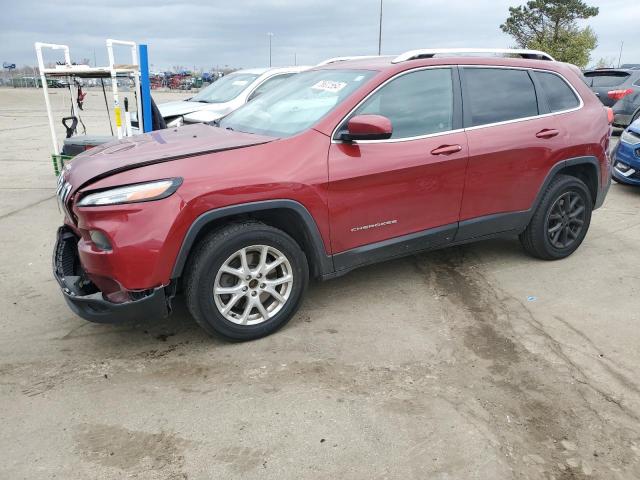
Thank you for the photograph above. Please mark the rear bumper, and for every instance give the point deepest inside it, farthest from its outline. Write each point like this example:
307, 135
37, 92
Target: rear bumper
86, 301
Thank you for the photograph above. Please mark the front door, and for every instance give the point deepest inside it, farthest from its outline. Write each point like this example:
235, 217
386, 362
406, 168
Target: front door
380, 190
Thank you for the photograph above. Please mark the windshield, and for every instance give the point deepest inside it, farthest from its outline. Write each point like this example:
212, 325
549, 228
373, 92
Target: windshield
225, 89
296, 104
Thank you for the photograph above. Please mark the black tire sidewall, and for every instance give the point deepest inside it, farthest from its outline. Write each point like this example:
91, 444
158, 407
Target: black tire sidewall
212, 257
568, 185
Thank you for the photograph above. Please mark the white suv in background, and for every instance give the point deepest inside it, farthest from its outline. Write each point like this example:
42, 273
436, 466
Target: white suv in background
225, 95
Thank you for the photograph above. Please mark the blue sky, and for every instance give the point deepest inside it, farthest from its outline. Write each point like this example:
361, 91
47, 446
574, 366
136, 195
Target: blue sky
209, 33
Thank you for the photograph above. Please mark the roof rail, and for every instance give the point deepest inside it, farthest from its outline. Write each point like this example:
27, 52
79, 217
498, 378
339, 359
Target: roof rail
431, 52
344, 59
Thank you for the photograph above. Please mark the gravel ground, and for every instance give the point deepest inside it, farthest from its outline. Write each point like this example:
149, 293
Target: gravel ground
475, 362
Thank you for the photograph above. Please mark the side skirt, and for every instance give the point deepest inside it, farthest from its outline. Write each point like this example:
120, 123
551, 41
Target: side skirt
468, 231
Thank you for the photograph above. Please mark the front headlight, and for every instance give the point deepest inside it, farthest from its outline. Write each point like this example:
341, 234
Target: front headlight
630, 137
140, 192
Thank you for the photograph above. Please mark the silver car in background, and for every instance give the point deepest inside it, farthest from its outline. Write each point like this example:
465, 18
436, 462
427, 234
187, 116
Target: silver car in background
225, 95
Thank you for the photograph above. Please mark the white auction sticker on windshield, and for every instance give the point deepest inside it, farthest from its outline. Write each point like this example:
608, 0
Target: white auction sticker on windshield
329, 86
239, 83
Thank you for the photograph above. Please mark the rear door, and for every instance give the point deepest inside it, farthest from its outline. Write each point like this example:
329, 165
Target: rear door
602, 82
513, 142
381, 189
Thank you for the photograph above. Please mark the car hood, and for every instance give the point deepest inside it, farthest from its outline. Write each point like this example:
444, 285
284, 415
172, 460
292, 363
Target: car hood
174, 109
208, 115
154, 147
635, 126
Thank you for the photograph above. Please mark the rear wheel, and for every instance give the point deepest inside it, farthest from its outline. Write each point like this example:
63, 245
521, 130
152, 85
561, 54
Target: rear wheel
560, 221
245, 281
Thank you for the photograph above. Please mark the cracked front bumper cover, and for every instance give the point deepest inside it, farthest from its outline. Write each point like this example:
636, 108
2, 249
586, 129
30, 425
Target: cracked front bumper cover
86, 301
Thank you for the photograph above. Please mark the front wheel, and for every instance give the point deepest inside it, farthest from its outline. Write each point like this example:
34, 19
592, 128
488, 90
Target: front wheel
561, 220
245, 281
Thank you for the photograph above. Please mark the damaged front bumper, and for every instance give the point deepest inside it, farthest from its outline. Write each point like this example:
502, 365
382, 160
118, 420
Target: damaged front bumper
84, 298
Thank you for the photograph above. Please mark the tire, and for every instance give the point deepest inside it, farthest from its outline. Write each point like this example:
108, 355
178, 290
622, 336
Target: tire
545, 235
226, 314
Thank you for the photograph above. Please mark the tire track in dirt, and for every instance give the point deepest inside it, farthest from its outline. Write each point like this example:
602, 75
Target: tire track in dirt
559, 423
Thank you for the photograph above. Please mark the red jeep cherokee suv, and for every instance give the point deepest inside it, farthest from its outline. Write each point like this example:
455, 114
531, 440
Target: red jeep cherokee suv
350, 163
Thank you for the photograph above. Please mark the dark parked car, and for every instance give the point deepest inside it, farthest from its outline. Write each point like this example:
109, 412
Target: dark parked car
618, 89
626, 167
349, 163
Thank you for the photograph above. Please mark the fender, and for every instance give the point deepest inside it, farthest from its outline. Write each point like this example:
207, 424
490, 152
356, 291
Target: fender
586, 160
497, 224
322, 261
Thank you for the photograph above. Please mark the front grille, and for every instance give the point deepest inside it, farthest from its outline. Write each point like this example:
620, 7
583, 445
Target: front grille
63, 192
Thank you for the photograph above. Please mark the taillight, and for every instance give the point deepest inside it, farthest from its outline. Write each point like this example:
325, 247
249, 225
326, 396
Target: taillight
609, 114
619, 94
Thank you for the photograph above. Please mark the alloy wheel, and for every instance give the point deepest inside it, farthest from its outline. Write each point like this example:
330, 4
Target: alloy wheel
253, 284
566, 219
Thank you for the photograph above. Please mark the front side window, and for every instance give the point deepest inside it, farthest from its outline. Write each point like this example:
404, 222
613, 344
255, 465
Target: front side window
417, 103
497, 95
559, 95
296, 104
225, 89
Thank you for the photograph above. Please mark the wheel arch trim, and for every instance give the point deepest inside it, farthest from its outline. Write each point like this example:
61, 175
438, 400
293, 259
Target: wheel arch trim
570, 162
323, 261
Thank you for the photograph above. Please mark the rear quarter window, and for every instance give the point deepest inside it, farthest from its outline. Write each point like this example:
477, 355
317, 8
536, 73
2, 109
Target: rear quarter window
495, 95
557, 92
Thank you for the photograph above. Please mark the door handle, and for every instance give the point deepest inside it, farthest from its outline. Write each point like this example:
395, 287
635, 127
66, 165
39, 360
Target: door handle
547, 133
446, 150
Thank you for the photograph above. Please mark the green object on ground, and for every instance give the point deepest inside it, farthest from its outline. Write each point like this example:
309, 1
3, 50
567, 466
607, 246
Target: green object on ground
59, 162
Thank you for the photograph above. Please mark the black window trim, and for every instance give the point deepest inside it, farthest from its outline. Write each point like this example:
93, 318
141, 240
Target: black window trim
457, 108
537, 88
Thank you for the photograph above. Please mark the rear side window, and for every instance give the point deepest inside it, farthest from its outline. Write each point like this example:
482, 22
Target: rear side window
417, 103
496, 95
605, 79
559, 95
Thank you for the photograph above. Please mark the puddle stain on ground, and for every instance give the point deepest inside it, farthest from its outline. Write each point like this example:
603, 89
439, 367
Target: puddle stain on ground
132, 450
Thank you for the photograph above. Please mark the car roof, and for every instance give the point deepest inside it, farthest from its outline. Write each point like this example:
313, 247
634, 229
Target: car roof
273, 70
612, 70
387, 63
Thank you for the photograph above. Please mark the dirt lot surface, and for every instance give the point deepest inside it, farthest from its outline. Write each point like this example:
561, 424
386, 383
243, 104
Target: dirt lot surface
469, 363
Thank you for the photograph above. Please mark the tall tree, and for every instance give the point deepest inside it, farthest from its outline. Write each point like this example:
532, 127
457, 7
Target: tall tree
552, 26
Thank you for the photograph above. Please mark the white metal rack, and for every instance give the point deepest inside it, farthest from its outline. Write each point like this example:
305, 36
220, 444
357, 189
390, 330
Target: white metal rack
112, 71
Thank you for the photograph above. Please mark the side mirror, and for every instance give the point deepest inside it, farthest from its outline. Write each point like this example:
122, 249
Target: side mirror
367, 127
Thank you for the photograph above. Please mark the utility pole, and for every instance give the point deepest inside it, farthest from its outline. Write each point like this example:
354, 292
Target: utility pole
295, 59
380, 31
270, 35
620, 56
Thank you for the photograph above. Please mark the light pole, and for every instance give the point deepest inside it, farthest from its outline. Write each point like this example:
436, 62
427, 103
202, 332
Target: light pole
380, 31
620, 56
269, 34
